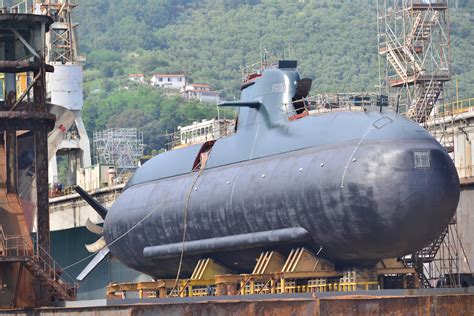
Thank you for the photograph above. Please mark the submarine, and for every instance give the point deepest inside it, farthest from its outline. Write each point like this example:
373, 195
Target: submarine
354, 186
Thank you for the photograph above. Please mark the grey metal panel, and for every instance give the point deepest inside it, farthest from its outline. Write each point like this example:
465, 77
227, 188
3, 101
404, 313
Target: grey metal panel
312, 131
167, 164
361, 220
65, 85
465, 222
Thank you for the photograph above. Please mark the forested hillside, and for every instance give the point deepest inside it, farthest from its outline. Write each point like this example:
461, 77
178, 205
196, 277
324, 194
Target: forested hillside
335, 43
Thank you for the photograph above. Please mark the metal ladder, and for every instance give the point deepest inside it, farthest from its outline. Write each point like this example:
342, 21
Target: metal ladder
425, 255
424, 104
3, 243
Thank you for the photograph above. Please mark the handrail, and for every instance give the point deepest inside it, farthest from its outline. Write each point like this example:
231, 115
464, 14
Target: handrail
21, 246
55, 270
334, 101
459, 106
15, 246
3, 242
429, 2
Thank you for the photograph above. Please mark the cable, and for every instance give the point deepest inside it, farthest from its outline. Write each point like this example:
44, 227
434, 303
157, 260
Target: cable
77, 262
121, 236
185, 220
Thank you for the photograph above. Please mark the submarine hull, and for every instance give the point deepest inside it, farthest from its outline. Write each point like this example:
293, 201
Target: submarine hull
360, 184
358, 201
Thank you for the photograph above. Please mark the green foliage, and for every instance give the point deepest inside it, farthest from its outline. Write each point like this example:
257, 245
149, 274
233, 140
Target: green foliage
106, 61
144, 108
335, 43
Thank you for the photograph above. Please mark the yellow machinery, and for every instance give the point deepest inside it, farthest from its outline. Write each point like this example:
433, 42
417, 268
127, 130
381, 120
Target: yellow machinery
22, 80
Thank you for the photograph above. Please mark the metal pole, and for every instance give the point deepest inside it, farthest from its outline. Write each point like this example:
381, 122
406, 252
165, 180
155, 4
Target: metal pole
10, 136
41, 162
457, 94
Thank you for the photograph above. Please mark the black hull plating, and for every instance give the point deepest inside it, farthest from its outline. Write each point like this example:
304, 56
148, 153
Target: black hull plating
345, 179
360, 201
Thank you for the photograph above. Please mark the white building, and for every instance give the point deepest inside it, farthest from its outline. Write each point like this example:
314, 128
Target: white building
200, 132
202, 92
96, 176
172, 81
140, 78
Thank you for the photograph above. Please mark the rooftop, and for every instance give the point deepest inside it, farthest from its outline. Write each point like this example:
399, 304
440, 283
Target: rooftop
168, 75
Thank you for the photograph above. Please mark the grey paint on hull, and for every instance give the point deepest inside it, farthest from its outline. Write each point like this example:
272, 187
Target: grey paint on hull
347, 178
386, 207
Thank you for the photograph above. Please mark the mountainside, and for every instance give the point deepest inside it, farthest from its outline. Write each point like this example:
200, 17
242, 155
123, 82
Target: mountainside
335, 43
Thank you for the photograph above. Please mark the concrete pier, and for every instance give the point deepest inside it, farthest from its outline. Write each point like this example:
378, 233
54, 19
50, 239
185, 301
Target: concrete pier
395, 302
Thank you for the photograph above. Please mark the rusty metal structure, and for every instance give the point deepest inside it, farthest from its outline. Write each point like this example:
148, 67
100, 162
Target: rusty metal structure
24, 125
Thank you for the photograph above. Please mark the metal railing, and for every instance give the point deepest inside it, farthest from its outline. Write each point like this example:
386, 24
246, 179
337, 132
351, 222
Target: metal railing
267, 61
322, 103
16, 246
196, 136
56, 273
264, 284
457, 107
21, 247
429, 1
18, 6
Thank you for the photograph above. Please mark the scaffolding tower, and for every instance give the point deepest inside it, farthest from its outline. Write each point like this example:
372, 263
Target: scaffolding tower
414, 69
414, 53
122, 147
61, 39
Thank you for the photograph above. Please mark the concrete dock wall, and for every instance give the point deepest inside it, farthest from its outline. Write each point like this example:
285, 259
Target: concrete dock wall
443, 304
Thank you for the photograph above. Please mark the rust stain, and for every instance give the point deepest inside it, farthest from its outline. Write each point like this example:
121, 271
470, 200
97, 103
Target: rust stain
456, 304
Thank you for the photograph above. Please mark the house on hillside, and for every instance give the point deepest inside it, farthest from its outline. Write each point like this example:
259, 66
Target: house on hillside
172, 81
139, 78
202, 92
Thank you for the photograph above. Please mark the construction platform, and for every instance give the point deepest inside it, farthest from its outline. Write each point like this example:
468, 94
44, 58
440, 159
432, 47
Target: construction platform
386, 302
274, 273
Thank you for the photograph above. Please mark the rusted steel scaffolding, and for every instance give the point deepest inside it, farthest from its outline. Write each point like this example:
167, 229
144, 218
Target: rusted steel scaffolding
23, 262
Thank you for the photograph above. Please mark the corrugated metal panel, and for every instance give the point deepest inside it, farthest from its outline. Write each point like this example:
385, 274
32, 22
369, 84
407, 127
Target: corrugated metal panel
465, 222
